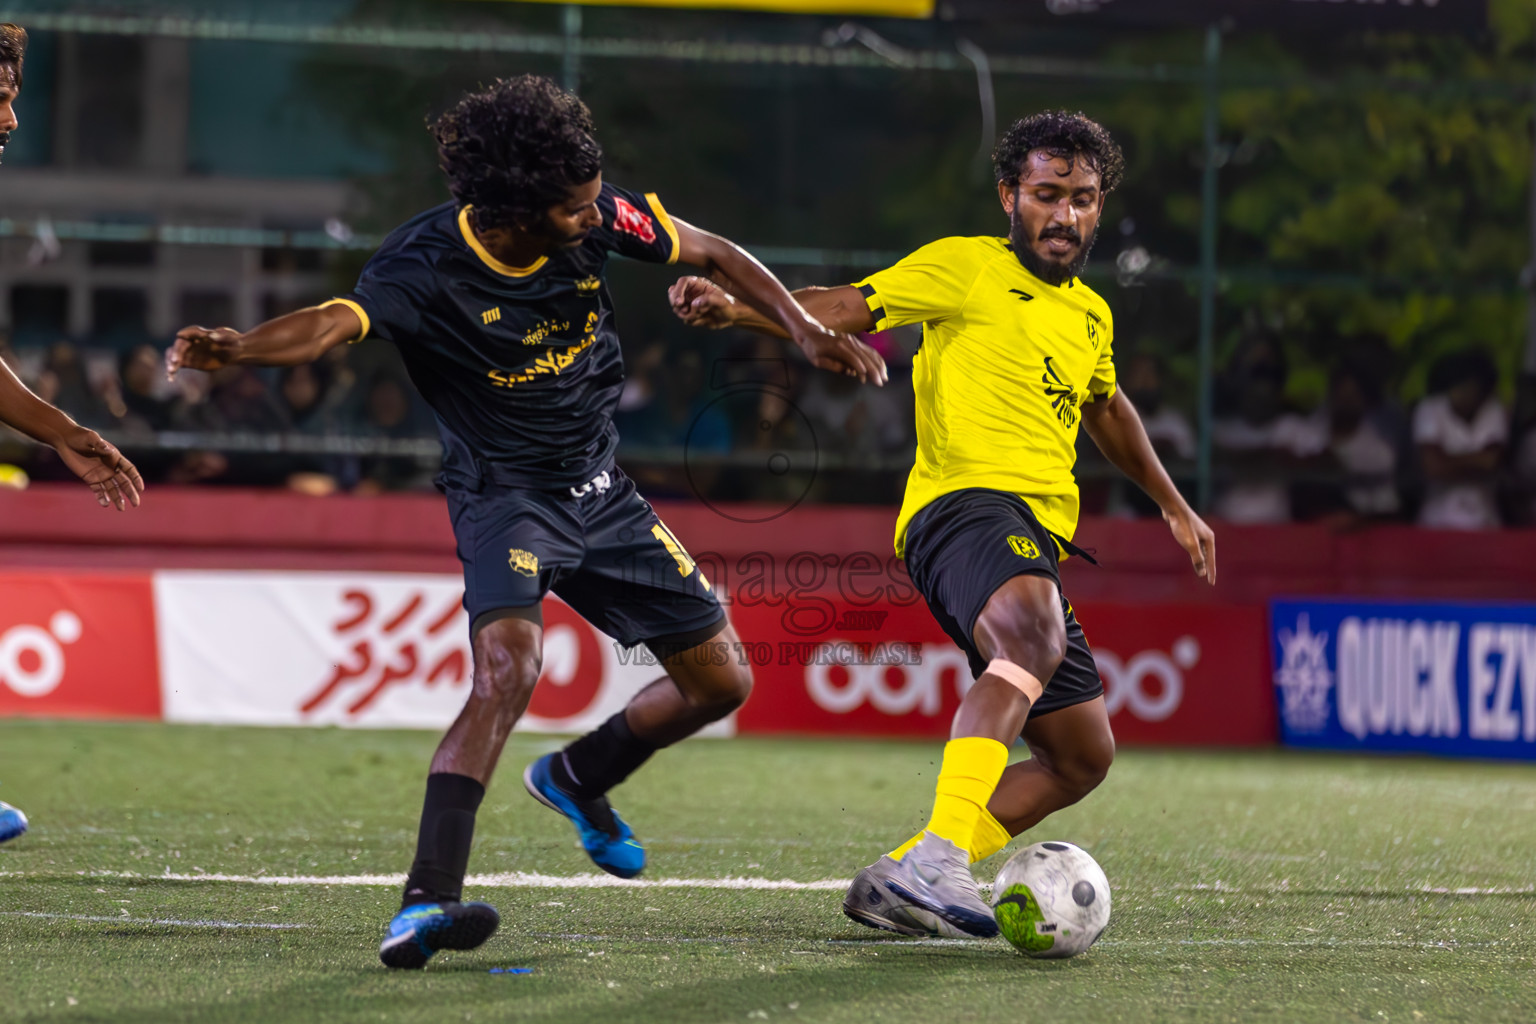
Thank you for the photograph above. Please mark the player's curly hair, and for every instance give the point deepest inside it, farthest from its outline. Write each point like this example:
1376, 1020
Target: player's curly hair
13, 47
1061, 134
515, 149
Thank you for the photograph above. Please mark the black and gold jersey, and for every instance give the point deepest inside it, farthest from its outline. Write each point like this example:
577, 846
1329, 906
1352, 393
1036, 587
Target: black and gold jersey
521, 365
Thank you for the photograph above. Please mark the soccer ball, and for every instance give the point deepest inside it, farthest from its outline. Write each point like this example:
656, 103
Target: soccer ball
1051, 900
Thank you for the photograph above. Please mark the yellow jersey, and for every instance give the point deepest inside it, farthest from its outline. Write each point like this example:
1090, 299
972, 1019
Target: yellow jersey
1006, 364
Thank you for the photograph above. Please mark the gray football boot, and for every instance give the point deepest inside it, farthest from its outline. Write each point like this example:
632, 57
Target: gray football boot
870, 903
934, 878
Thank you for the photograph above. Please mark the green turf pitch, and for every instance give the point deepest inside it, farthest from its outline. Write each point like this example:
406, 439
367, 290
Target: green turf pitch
1248, 887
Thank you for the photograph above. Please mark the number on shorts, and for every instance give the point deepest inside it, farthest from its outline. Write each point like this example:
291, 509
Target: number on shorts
685, 564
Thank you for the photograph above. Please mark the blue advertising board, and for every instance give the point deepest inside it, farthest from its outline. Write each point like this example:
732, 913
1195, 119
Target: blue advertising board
1457, 679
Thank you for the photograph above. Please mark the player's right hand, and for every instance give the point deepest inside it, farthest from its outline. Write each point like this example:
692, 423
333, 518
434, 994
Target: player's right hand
104, 469
843, 353
202, 348
699, 302
1196, 538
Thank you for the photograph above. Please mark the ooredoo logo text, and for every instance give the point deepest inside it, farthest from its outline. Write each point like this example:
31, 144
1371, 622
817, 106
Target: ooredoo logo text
32, 656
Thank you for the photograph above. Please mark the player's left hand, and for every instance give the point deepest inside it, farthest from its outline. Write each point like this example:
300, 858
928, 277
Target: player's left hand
98, 462
699, 302
1196, 538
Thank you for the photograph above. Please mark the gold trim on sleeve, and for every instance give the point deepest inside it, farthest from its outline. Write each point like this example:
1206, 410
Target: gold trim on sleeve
362, 314
665, 220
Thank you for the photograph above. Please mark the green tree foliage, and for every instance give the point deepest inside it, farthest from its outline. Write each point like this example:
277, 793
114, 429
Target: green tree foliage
1371, 187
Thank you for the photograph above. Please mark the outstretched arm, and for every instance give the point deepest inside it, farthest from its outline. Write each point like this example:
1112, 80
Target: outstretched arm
1116, 429
762, 296
701, 303
299, 337
113, 478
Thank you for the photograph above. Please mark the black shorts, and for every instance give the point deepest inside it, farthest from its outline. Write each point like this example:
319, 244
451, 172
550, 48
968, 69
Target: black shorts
966, 544
602, 550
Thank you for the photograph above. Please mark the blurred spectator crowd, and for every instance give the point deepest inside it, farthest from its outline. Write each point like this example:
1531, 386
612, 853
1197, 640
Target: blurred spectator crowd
212, 428
1458, 458
737, 418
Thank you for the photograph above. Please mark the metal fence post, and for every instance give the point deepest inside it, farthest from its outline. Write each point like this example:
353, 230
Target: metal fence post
1528, 364
570, 54
1208, 216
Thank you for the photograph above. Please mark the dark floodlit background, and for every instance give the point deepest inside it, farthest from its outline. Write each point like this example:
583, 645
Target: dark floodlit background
1353, 205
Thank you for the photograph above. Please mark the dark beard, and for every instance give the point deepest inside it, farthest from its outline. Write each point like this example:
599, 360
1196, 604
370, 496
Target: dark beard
1049, 271
562, 243
552, 240
570, 241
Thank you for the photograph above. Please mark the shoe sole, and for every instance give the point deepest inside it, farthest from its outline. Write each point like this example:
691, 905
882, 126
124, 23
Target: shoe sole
971, 924
533, 791
885, 924
469, 932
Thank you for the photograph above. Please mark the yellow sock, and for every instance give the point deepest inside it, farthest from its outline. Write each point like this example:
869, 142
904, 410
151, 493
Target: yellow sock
969, 773
989, 837
901, 851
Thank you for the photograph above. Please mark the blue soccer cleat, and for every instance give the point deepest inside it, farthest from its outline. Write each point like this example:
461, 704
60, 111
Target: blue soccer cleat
420, 930
607, 839
12, 822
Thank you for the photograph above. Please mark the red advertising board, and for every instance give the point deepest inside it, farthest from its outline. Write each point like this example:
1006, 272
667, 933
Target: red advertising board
873, 663
1184, 674
1173, 674
78, 646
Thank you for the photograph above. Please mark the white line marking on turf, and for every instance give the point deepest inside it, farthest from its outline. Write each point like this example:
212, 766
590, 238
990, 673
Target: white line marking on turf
1164, 943
503, 880
152, 920
579, 937
904, 941
1344, 890
536, 880
1296, 943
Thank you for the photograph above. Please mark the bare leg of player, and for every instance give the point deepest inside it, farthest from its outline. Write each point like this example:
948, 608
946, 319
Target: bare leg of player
703, 685
507, 657
1070, 753
1021, 623
508, 653
1020, 630
924, 886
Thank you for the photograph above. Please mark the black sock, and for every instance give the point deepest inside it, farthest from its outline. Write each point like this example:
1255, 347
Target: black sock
442, 845
600, 760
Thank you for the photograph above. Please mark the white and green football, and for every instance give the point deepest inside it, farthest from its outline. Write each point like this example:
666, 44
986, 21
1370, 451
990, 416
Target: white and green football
1051, 900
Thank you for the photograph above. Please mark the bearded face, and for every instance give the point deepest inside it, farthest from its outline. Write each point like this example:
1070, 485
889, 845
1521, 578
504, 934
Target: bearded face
1053, 215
